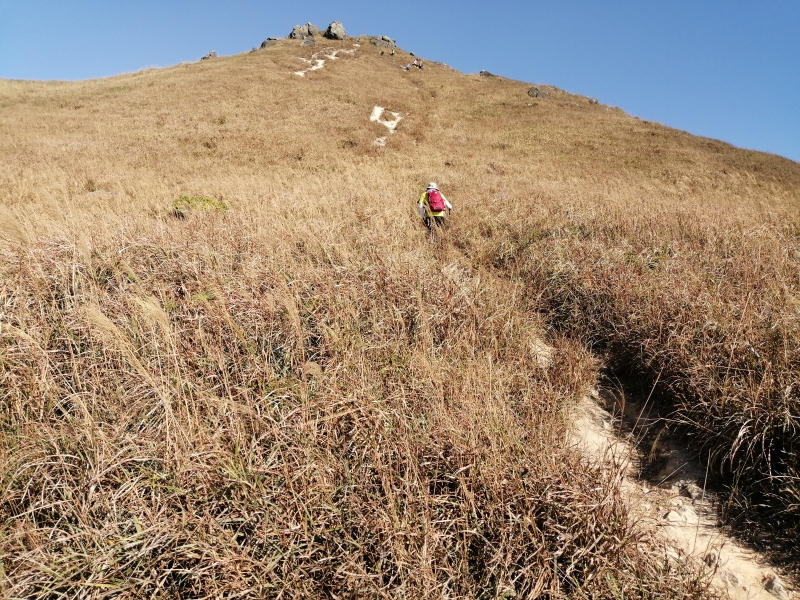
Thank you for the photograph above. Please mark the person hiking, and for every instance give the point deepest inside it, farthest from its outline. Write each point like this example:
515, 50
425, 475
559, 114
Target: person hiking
433, 206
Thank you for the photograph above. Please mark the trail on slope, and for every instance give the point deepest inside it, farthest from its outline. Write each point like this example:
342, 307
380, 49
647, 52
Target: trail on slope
679, 508
317, 63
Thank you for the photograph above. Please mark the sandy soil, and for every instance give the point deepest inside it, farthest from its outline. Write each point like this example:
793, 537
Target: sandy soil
679, 508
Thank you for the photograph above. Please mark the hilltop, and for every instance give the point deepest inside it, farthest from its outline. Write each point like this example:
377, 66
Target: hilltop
234, 363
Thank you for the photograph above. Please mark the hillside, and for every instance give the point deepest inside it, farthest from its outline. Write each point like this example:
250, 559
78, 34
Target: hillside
235, 364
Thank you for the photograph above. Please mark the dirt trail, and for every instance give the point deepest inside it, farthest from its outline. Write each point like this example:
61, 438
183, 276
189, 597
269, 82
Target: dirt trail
328, 53
679, 508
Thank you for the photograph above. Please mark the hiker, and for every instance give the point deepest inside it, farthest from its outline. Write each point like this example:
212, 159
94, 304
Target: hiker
433, 206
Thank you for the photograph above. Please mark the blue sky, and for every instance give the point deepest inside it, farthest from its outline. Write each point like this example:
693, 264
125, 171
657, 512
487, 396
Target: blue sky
723, 69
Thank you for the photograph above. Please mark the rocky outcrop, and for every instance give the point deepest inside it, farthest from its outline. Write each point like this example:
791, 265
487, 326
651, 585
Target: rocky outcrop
335, 31
486, 74
383, 41
270, 41
211, 54
301, 32
536, 92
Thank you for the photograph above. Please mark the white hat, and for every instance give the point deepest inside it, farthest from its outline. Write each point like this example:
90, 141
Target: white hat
433, 186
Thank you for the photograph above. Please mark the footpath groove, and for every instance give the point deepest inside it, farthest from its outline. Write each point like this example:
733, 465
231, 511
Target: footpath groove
315, 62
679, 509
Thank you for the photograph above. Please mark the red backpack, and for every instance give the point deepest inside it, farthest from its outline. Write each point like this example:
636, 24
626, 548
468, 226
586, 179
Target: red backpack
435, 201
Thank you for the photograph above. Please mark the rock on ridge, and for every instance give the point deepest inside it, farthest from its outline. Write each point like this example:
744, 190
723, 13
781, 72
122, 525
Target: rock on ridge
300, 32
335, 31
537, 92
383, 41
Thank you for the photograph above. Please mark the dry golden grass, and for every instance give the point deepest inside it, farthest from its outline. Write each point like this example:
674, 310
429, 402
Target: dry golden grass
298, 395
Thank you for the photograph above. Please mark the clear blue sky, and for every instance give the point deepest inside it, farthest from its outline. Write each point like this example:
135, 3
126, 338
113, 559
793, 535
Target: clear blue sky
723, 69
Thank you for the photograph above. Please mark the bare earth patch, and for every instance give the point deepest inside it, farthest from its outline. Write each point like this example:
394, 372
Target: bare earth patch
391, 125
679, 509
317, 63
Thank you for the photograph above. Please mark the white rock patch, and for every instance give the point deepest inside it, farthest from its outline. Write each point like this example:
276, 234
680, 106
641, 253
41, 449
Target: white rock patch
316, 63
377, 117
328, 53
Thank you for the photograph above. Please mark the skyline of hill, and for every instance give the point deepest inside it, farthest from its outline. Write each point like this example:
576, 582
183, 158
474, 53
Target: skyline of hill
683, 65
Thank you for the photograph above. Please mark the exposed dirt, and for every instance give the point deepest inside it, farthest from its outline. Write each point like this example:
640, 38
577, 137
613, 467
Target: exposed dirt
391, 125
676, 502
317, 63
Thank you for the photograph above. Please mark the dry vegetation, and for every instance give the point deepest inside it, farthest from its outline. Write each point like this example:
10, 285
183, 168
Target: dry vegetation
231, 363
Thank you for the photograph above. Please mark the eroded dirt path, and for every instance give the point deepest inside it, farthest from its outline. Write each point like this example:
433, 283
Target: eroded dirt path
317, 60
679, 508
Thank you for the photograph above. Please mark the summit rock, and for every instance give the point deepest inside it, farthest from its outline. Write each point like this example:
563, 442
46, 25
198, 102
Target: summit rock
335, 31
300, 32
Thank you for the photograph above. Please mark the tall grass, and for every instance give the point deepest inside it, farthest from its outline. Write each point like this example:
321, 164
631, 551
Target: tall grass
301, 395
702, 308
208, 409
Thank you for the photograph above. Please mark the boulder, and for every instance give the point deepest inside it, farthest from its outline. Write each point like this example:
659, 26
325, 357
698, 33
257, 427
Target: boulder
211, 54
309, 41
536, 92
486, 74
271, 41
299, 32
594, 101
335, 31
382, 42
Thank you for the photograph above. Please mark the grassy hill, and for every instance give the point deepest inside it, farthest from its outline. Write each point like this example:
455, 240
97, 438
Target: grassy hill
232, 363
